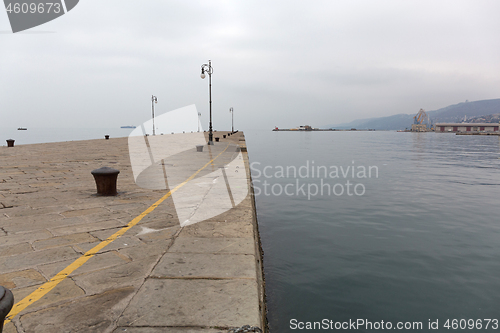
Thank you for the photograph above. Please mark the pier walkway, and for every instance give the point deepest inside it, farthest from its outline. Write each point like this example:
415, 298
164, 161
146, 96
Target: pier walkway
77, 262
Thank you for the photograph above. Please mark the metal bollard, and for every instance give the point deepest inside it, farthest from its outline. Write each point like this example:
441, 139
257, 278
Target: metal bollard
217, 139
224, 136
107, 137
199, 148
105, 180
10, 143
6, 303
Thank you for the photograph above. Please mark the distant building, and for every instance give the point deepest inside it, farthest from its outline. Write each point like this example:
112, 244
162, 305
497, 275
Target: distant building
419, 128
467, 127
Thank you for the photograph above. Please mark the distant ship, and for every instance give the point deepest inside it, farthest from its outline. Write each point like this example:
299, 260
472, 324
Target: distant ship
127, 127
22, 129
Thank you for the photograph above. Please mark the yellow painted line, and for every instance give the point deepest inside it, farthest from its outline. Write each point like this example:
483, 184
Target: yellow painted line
59, 277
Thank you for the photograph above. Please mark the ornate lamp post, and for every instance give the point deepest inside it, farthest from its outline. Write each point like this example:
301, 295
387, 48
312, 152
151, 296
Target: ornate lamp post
207, 68
232, 119
153, 101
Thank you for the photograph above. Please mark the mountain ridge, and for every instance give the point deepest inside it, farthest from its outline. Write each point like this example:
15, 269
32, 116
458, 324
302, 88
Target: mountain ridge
451, 113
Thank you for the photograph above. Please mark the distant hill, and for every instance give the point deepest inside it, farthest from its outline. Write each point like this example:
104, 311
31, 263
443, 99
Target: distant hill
491, 118
452, 113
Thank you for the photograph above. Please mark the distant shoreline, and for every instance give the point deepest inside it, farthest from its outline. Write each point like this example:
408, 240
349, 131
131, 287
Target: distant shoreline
318, 130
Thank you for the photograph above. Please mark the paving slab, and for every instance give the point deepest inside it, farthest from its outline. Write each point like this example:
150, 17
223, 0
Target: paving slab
159, 223
33, 207
25, 237
106, 233
124, 275
80, 315
169, 217
205, 265
32, 259
164, 330
214, 245
63, 240
109, 215
21, 279
64, 291
15, 249
38, 223
227, 229
158, 276
120, 243
148, 249
150, 235
97, 262
86, 227
88, 211
180, 302
9, 328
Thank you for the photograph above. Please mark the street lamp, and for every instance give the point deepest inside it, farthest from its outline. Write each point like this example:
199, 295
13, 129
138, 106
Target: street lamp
153, 101
232, 119
207, 68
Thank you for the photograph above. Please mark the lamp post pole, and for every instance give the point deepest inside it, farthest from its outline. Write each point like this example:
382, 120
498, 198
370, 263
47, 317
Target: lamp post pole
153, 101
207, 68
232, 119
199, 115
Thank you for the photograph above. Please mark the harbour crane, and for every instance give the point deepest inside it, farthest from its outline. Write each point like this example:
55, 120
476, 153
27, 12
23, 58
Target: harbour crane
420, 117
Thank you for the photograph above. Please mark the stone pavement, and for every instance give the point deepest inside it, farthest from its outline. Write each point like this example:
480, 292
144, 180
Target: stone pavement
156, 277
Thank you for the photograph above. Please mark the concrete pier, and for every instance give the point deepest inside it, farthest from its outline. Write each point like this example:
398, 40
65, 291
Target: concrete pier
78, 262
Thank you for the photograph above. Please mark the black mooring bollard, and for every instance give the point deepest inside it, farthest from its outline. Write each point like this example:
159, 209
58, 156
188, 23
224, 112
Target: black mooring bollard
199, 148
217, 139
6, 303
224, 136
107, 137
105, 180
10, 143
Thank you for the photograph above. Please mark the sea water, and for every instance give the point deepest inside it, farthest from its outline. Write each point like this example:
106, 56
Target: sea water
43, 135
415, 245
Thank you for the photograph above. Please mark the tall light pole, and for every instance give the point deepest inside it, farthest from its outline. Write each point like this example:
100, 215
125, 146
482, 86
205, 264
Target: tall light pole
207, 68
232, 119
153, 101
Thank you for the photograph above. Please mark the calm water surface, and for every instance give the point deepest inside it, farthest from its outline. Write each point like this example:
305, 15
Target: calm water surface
43, 135
422, 243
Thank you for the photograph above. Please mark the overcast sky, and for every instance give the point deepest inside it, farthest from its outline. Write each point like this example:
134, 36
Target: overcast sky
277, 63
